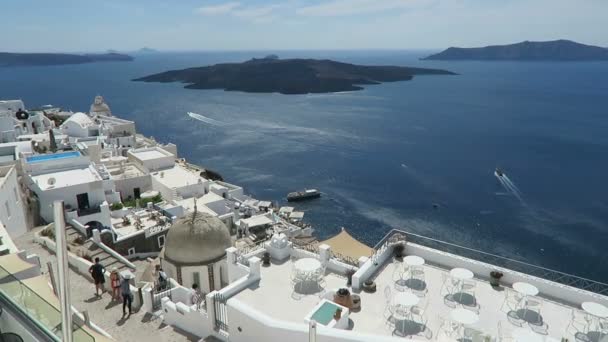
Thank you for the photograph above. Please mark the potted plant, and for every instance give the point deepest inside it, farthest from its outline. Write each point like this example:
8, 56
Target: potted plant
266, 259
399, 250
338, 314
495, 278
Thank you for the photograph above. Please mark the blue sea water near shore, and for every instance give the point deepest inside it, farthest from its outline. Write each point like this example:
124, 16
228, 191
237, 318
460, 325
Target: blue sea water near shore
418, 155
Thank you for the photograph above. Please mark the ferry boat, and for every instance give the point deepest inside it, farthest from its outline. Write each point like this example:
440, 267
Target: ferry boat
303, 195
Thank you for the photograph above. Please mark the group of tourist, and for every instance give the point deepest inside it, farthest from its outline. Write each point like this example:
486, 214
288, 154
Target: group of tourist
121, 286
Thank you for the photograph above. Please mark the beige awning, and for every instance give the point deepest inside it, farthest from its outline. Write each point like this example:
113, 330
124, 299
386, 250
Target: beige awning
343, 243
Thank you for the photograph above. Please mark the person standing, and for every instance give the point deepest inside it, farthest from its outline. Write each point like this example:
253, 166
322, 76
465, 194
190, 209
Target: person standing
125, 291
97, 270
115, 282
196, 297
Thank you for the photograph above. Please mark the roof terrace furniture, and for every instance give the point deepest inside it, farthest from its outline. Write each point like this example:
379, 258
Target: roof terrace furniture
530, 307
401, 305
579, 321
463, 318
461, 277
597, 312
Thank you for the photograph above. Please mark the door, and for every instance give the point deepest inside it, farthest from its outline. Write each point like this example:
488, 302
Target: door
83, 201
136, 192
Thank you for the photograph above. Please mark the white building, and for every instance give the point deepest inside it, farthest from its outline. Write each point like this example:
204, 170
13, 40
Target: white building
70, 177
80, 125
12, 213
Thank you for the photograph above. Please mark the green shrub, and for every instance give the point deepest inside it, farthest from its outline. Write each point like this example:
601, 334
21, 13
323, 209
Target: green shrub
116, 206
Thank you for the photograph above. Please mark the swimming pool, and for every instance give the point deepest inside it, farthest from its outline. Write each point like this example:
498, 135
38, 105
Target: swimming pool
325, 313
47, 157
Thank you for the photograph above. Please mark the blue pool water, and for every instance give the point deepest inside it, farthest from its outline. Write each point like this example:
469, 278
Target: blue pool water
47, 157
383, 156
325, 313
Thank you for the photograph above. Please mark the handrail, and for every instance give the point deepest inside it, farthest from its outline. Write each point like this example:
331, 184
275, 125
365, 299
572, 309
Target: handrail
36, 307
501, 261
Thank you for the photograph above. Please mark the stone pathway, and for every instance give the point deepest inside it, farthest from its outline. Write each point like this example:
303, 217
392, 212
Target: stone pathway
106, 314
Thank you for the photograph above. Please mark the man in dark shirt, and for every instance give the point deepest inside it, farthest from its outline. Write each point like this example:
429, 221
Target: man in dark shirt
97, 271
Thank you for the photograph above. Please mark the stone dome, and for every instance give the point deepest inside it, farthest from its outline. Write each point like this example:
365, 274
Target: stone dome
197, 239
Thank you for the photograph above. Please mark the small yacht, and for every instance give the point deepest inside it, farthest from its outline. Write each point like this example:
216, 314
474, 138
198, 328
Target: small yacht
498, 172
303, 195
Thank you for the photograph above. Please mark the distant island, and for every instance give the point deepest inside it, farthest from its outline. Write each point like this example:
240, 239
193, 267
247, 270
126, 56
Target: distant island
146, 50
288, 76
556, 50
8, 59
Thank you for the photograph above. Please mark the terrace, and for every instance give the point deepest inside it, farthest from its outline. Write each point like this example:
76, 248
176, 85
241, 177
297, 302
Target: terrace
421, 296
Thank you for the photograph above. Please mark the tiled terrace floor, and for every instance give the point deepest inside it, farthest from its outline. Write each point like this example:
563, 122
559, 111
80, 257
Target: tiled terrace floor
275, 296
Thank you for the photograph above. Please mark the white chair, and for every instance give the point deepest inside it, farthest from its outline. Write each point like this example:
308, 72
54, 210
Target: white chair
468, 286
418, 312
448, 286
447, 327
579, 321
535, 305
504, 335
512, 300
388, 314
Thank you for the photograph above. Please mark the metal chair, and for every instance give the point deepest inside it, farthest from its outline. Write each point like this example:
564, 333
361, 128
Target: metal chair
504, 335
448, 286
535, 305
512, 300
579, 320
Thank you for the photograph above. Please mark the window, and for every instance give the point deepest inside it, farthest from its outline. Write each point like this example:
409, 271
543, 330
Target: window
196, 279
8, 210
161, 241
131, 251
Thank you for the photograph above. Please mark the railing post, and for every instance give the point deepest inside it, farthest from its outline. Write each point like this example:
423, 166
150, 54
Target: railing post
63, 272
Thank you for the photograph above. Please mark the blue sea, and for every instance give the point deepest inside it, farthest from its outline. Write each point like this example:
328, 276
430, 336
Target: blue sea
417, 155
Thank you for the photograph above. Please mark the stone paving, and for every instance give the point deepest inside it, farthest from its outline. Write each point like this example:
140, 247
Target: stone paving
106, 314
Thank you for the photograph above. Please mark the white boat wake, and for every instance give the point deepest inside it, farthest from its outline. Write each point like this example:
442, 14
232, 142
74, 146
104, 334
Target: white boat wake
205, 119
510, 186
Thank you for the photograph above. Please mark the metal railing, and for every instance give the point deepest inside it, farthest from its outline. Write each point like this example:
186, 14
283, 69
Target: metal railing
345, 259
221, 312
497, 260
36, 308
88, 211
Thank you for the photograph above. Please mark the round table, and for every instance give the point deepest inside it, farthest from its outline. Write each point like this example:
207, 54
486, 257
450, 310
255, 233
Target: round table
307, 265
595, 309
413, 260
598, 311
405, 299
525, 289
525, 335
461, 273
464, 317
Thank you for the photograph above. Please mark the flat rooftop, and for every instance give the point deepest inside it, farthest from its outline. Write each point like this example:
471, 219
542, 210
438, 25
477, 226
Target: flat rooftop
150, 154
276, 296
177, 177
124, 171
66, 178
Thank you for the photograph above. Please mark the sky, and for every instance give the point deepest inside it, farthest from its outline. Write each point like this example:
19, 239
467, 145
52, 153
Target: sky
125, 25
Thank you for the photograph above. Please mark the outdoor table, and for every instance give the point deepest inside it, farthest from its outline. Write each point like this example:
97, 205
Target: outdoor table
598, 311
461, 274
464, 317
401, 304
307, 265
525, 335
413, 260
525, 289
306, 270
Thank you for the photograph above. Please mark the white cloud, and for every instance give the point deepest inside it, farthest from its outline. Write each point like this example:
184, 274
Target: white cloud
353, 7
224, 8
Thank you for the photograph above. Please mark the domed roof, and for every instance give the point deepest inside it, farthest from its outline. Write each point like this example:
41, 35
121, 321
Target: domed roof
80, 119
197, 239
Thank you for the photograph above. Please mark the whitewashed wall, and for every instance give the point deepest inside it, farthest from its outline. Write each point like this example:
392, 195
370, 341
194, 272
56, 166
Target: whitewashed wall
248, 324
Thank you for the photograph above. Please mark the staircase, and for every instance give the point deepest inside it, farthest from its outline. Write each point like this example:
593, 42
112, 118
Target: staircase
105, 259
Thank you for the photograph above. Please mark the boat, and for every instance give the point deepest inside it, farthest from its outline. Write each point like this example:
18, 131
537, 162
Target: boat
303, 195
498, 172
